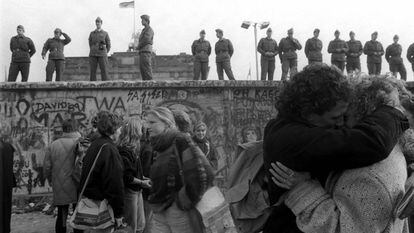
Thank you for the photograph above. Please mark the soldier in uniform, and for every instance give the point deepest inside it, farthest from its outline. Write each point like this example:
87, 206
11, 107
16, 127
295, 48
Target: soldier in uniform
99, 44
410, 55
267, 47
287, 54
201, 50
374, 50
313, 48
145, 48
224, 50
394, 59
338, 48
22, 49
354, 52
56, 61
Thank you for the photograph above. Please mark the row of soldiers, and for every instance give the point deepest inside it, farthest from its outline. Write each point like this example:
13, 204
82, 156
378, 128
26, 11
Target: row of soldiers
348, 53
22, 48
343, 54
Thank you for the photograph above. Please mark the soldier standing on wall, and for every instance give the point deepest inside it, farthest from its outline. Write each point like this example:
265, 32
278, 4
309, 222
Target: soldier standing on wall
410, 55
354, 52
287, 54
394, 59
224, 50
268, 49
22, 49
338, 49
56, 61
313, 48
145, 48
99, 44
201, 50
374, 50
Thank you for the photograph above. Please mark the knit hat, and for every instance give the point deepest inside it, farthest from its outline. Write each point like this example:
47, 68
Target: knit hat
203, 32
219, 30
316, 30
20, 27
290, 31
269, 30
98, 19
199, 124
145, 17
58, 30
182, 120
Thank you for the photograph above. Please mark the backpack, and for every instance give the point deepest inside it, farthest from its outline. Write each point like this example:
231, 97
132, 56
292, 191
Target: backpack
81, 146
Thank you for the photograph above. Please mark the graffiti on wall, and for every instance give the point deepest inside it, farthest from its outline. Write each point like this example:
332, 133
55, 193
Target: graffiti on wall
33, 118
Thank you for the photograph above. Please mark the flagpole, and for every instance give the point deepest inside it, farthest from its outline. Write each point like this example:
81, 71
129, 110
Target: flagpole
134, 19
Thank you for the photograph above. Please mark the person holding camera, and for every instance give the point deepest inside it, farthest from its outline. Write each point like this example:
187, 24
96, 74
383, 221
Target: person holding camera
99, 44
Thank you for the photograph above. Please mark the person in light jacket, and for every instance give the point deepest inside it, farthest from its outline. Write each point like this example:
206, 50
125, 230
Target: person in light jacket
58, 164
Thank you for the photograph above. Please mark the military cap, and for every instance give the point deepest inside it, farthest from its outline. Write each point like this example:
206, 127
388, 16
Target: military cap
269, 30
290, 30
145, 17
375, 33
203, 32
98, 19
20, 27
58, 30
219, 30
316, 30
351, 33
396, 37
337, 32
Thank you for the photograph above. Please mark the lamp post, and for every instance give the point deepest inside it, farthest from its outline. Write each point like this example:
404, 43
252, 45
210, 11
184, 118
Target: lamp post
262, 25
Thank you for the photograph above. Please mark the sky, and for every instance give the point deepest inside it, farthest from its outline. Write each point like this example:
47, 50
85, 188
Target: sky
177, 24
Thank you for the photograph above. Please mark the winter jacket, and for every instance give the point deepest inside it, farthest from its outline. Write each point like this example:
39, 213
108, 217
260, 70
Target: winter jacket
338, 48
22, 49
106, 181
393, 54
209, 151
224, 50
313, 49
132, 167
59, 163
99, 43
354, 50
305, 147
288, 47
246, 194
146, 40
268, 45
355, 201
167, 183
410, 53
374, 51
56, 47
201, 50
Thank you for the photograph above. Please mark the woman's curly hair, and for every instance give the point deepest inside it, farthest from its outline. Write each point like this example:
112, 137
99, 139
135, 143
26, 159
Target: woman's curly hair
316, 89
108, 123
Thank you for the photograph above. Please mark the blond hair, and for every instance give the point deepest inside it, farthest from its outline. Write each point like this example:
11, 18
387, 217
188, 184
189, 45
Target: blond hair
131, 133
165, 115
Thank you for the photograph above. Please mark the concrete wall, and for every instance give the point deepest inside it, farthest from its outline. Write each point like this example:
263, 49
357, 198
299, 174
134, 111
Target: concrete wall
125, 66
31, 113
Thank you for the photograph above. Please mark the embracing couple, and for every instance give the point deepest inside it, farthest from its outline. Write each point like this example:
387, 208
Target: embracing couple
337, 153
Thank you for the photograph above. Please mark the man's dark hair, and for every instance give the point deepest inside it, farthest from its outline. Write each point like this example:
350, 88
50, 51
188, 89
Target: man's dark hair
108, 123
69, 126
316, 89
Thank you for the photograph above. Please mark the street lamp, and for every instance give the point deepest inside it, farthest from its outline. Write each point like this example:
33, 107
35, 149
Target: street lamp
262, 25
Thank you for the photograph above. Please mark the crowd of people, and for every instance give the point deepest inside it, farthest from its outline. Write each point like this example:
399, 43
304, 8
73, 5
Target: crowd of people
344, 54
337, 158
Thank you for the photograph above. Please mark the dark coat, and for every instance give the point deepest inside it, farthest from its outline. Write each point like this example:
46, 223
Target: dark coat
410, 53
268, 45
209, 151
22, 49
338, 48
7, 182
132, 167
201, 50
146, 40
374, 51
313, 49
354, 50
288, 47
305, 147
106, 181
224, 50
56, 47
99, 43
393, 54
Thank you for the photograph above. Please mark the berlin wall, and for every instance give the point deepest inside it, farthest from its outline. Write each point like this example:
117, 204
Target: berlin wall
31, 114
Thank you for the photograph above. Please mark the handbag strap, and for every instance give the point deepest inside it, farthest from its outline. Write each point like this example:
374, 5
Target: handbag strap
179, 162
90, 172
